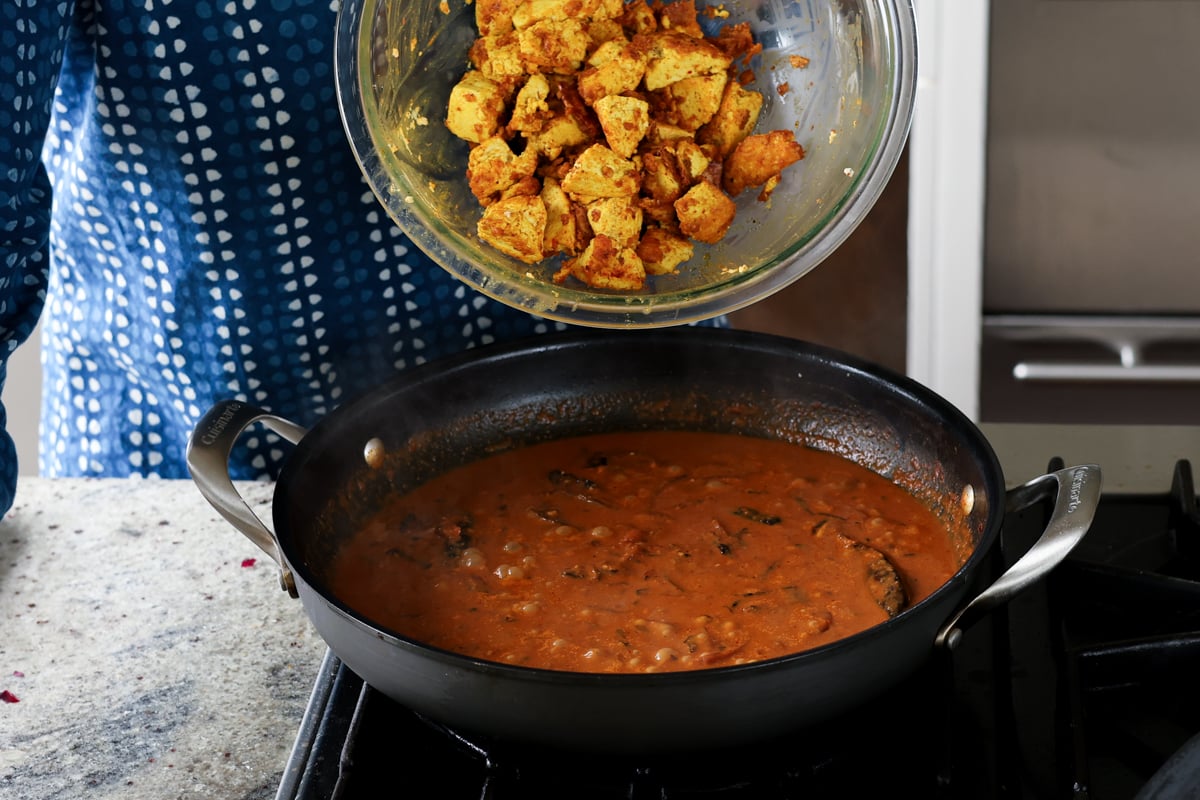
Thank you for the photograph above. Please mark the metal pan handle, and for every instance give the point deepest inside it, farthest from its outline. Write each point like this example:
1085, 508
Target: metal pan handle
208, 460
1077, 495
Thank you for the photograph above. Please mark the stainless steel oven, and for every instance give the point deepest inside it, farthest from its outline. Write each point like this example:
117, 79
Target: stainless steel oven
1091, 219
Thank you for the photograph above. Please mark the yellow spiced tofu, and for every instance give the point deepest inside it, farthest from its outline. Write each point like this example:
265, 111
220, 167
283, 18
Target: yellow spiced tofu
561, 235
625, 121
692, 160
492, 168
475, 108
529, 12
553, 45
637, 17
495, 16
663, 133
618, 72
691, 102
759, 158
515, 226
603, 31
599, 172
662, 252
605, 265
611, 133
705, 213
675, 56
618, 218
555, 135
530, 109
662, 185
498, 57
734, 120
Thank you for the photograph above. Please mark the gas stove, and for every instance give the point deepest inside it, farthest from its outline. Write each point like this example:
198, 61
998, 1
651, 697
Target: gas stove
1081, 687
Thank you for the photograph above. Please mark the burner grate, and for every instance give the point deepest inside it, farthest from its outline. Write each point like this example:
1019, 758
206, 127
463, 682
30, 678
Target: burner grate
1130, 642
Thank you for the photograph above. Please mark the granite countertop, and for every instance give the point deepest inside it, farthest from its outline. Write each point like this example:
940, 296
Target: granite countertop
146, 649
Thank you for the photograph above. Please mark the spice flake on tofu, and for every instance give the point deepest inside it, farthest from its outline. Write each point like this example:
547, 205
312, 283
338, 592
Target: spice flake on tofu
613, 134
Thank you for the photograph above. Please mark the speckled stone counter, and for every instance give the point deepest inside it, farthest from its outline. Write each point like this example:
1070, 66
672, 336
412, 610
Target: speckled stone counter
146, 649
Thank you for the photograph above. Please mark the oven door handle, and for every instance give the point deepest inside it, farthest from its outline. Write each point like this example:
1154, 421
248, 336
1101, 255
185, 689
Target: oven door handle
1126, 337
1077, 496
1106, 373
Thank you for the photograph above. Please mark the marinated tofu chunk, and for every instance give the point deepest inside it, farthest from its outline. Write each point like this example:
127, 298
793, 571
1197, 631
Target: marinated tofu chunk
599, 172
734, 119
618, 218
531, 109
515, 226
492, 167
476, 105
625, 121
662, 251
674, 56
605, 265
562, 233
705, 213
759, 158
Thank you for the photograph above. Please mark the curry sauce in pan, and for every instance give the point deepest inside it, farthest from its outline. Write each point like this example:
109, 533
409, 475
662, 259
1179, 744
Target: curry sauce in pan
644, 552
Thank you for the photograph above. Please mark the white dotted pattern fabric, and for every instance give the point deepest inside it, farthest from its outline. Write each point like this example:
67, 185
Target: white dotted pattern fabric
211, 234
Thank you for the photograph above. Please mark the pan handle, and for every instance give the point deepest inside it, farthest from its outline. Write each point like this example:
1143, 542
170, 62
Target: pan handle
208, 460
1077, 494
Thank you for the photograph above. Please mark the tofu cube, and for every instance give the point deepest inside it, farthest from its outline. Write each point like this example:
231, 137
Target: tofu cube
662, 252
515, 226
557, 134
758, 159
561, 235
734, 120
662, 185
637, 17
492, 168
692, 102
618, 218
605, 265
475, 108
625, 121
498, 57
530, 109
530, 12
553, 45
603, 52
618, 73
604, 31
599, 172
680, 16
675, 56
692, 160
661, 179
705, 213
663, 133
494, 16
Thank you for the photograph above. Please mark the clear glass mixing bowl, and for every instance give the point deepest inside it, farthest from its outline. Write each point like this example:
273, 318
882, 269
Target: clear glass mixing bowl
850, 107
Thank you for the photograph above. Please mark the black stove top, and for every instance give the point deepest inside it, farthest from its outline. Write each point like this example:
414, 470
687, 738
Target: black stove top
1081, 687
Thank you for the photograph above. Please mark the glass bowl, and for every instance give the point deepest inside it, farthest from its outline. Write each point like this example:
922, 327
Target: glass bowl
850, 107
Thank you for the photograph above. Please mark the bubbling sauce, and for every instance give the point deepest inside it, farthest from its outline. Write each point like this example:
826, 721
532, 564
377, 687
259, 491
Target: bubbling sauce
643, 552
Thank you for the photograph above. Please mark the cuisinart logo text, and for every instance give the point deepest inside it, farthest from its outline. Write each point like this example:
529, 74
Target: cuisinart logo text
213, 431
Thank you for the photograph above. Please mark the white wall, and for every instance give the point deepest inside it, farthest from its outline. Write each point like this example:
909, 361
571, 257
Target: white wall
946, 190
22, 399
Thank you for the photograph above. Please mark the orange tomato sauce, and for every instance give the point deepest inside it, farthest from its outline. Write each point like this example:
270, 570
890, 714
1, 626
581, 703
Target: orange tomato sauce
643, 552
